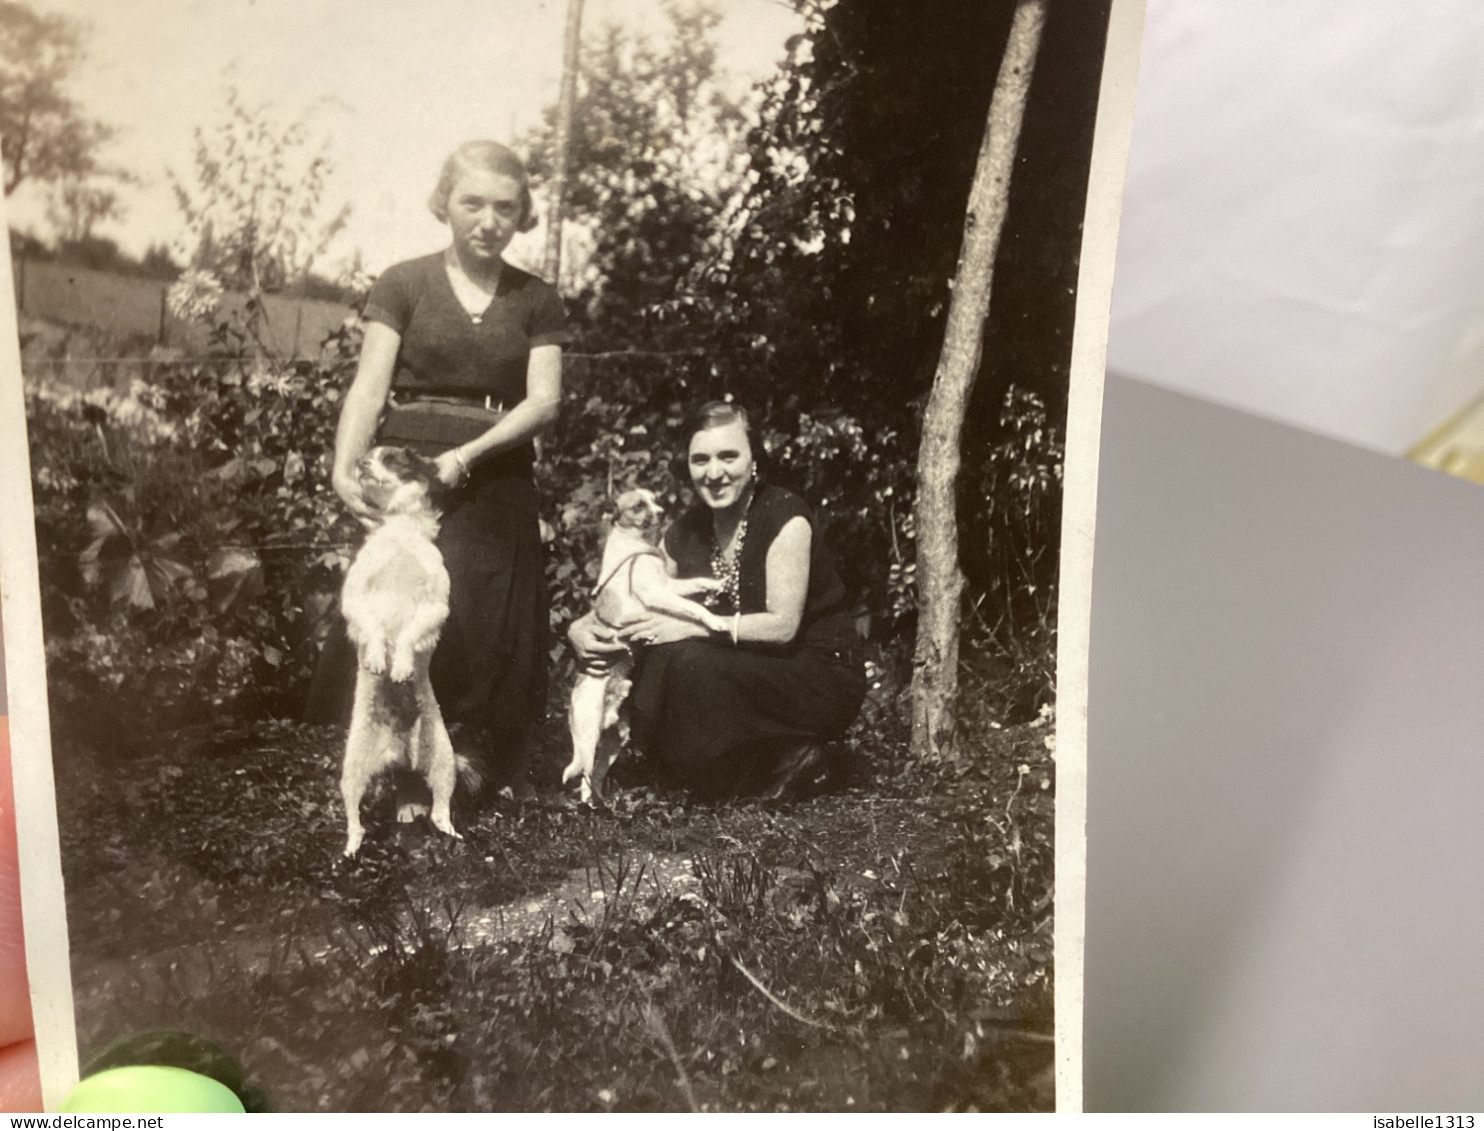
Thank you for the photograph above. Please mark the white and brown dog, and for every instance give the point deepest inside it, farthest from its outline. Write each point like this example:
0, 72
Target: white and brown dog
395, 601
632, 583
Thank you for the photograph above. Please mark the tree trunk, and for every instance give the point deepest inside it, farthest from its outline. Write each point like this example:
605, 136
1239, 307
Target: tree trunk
552, 260
940, 581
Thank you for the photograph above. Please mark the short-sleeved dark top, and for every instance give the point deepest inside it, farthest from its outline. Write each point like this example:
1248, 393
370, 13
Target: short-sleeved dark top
446, 352
827, 621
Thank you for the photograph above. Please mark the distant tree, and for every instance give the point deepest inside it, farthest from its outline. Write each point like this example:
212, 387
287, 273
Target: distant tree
158, 263
657, 154
318, 287
78, 203
253, 203
43, 132
45, 137
23, 245
95, 253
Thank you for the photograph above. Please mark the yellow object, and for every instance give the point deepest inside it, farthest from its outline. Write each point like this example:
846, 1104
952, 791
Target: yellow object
152, 1088
1455, 447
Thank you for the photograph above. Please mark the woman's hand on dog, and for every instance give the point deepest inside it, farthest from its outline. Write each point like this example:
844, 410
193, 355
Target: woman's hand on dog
696, 586
597, 648
451, 471
659, 629
349, 490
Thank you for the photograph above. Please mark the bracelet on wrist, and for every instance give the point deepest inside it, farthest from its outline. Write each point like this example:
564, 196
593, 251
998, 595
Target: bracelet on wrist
736, 628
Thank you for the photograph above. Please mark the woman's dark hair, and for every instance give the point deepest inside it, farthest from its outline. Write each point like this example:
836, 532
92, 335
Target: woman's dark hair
718, 414
492, 157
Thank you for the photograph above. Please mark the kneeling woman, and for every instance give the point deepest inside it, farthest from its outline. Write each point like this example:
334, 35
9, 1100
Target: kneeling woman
744, 711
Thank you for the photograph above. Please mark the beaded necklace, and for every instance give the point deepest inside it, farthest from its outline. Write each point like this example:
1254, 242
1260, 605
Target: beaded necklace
728, 568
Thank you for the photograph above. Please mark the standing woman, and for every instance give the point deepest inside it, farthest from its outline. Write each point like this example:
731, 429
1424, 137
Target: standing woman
462, 360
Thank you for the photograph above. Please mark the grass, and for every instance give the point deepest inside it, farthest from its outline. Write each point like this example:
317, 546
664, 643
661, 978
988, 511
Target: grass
885, 949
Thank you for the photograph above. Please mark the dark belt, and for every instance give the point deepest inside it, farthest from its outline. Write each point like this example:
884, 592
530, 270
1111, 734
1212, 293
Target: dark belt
402, 397
431, 423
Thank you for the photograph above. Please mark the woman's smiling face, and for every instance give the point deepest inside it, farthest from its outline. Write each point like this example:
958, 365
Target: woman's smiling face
721, 464
484, 213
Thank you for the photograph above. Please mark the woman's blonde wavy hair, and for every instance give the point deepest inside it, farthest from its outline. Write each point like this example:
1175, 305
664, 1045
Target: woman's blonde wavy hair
492, 157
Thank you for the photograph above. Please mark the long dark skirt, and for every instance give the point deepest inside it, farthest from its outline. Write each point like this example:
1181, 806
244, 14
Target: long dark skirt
490, 669
713, 717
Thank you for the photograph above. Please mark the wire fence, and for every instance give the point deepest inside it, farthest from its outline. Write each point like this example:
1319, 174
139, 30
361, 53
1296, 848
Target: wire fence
570, 355
133, 313
130, 309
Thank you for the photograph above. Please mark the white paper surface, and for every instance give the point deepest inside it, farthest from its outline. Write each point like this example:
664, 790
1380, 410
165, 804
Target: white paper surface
1303, 231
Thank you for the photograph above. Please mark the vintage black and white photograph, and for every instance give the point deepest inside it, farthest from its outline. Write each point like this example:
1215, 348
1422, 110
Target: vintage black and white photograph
548, 527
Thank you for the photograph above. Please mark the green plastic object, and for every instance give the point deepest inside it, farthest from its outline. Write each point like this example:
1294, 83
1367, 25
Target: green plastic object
172, 1048
152, 1088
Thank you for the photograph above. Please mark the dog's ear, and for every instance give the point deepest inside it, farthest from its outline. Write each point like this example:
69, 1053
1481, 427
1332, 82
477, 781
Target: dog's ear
610, 509
425, 469
410, 467
628, 508
603, 517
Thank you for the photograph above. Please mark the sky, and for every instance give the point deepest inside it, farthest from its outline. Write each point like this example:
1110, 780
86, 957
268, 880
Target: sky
394, 85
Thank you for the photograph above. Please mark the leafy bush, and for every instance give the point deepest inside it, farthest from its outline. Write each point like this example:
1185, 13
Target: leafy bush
189, 544
191, 547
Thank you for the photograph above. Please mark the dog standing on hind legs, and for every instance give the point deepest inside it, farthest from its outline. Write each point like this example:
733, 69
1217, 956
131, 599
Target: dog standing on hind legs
395, 601
632, 583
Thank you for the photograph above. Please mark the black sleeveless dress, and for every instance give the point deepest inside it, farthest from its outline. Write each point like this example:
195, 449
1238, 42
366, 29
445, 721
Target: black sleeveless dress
713, 715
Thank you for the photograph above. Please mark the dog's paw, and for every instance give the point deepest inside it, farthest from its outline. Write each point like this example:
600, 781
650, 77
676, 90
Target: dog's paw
572, 770
374, 661
352, 846
402, 667
444, 825
409, 811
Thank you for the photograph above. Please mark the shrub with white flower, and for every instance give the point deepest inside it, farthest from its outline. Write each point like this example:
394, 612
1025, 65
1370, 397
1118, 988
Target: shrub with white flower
195, 296
139, 408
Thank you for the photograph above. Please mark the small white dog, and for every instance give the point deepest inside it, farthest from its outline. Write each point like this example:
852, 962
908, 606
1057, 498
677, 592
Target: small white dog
395, 601
632, 582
